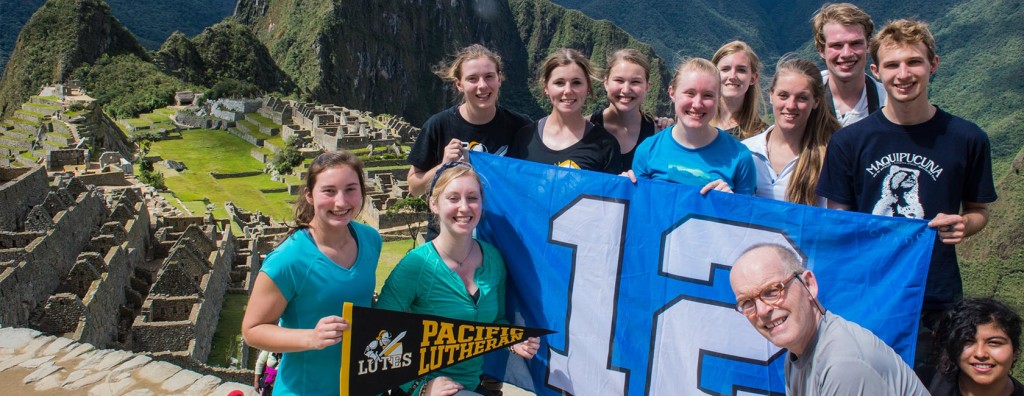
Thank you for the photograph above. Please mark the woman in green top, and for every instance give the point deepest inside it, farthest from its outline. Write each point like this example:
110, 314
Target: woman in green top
454, 275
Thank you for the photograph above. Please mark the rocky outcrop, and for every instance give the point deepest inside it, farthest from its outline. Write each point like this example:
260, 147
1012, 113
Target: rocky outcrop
378, 55
59, 37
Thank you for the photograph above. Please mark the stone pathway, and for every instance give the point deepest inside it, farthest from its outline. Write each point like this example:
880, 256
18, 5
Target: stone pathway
32, 363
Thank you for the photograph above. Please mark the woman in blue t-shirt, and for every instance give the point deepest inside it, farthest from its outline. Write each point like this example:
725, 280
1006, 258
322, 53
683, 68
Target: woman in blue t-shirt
296, 302
692, 151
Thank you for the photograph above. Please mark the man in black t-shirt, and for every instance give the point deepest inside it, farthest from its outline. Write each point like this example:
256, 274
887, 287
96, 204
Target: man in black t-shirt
911, 159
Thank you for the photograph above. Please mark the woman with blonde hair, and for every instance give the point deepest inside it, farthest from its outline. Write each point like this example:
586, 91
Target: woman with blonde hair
455, 276
740, 110
789, 154
692, 151
564, 138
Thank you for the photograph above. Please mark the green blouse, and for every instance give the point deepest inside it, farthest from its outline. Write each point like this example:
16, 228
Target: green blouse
423, 283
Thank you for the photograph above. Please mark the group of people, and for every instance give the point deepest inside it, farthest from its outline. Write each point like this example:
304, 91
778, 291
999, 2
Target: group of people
840, 139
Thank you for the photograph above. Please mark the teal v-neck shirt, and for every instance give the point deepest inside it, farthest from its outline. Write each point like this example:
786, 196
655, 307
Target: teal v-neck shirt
315, 287
422, 283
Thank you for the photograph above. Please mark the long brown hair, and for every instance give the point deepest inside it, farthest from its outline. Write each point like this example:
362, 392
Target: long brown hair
749, 118
821, 124
303, 209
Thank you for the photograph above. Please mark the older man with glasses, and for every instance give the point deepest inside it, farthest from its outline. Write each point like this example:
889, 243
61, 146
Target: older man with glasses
828, 355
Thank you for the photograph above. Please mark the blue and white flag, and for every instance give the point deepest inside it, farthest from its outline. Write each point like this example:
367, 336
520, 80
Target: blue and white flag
634, 278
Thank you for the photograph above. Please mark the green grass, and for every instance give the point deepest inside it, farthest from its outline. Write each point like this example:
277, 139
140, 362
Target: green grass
76, 113
44, 106
276, 140
389, 167
30, 113
165, 111
47, 98
232, 156
138, 122
16, 120
390, 254
248, 125
154, 117
169, 197
227, 339
264, 121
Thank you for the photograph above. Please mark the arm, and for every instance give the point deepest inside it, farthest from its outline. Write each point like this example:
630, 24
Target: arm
400, 289
260, 328
836, 205
954, 228
419, 179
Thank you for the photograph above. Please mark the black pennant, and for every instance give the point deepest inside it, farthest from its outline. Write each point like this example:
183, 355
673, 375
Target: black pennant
383, 349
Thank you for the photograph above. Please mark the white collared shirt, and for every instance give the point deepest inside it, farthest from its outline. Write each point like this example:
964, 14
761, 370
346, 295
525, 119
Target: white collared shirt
771, 184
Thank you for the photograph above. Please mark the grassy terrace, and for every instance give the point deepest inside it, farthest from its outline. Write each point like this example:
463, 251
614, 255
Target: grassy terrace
16, 120
154, 118
71, 114
52, 99
45, 106
263, 121
195, 185
139, 123
30, 113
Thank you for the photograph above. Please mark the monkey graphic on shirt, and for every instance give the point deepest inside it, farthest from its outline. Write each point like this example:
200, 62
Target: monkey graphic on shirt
899, 196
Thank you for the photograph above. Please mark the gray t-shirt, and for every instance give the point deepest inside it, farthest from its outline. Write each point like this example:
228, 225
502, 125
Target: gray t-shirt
846, 359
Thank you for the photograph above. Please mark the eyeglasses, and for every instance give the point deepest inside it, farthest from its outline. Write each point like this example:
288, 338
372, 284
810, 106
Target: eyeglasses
770, 295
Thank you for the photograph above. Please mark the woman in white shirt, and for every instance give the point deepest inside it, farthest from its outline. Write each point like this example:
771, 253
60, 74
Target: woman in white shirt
789, 154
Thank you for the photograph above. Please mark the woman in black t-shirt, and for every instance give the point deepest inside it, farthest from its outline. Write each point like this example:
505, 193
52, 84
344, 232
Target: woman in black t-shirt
564, 138
627, 82
477, 123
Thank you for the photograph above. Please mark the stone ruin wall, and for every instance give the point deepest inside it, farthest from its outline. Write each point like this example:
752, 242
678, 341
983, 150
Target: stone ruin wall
22, 189
172, 331
57, 159
97, 311
47, 259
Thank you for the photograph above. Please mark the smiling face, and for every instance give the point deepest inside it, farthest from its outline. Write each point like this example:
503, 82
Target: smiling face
336, 198
567, 87
737, 74
792, 100
480, 82
458, 205
845, 51
904, 70
627, 86
986, 359
792, 322
695, 97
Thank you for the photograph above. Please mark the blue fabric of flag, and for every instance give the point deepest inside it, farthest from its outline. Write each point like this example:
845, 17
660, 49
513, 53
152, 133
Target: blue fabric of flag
634, 278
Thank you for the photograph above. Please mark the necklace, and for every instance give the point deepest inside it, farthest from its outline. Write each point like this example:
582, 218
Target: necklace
460, 262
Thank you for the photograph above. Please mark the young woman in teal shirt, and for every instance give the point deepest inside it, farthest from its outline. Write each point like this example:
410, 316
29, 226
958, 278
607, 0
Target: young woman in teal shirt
454, 275
296, 302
